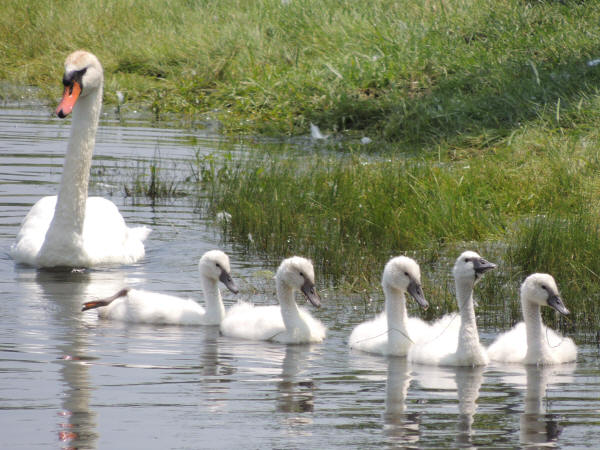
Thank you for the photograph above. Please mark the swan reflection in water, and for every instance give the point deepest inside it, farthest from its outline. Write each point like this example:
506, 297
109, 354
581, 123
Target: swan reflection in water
444, 382
400, 427
64, 292
296, 392
468, 382
537, 425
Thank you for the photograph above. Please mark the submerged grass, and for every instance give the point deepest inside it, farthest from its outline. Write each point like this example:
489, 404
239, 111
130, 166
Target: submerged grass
152, 182
150, 179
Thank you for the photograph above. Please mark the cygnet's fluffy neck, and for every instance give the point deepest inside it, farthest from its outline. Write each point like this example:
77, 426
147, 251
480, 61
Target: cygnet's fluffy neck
469, 347
215, 310
395, 309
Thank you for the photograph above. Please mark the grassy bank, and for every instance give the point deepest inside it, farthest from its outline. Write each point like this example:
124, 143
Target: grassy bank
417, 73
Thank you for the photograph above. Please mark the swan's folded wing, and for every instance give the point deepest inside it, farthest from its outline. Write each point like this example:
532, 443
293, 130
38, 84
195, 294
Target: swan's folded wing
511, 346
370, 336
246, 321
106, 237
33, 230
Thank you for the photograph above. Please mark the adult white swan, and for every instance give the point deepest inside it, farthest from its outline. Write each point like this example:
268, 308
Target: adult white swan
70, 229
454, 341
133, 305
530, 341
286, 323
392, 332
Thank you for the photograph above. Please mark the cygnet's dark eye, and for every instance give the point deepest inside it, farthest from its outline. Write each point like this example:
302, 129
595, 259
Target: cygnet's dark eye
302, 274
544, 287
218, 265
467, 260
406, 273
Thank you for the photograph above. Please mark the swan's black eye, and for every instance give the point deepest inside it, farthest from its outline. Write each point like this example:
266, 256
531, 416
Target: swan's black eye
467, 260
76, 75
302, 274
218, 265
544, 287
406, 273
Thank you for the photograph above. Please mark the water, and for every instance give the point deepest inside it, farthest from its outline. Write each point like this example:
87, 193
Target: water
68, 380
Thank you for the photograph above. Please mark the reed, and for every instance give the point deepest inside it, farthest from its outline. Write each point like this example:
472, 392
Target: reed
350, 212
567, 247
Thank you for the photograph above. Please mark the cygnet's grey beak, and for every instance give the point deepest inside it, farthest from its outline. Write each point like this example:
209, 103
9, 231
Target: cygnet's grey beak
226, 279
416, 291
554, 301
481, 266
308, 289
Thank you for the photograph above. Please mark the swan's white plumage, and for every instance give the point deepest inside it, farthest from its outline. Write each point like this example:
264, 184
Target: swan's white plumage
77, 231
530, 341
264, 323
392, 331
372, 336
453, 340
140, 306
106, 239
286, 323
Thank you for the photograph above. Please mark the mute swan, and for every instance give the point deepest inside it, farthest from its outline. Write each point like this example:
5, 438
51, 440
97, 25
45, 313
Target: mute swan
286, 323
132, 305
531, 342
453, 342
70, 229
392, 332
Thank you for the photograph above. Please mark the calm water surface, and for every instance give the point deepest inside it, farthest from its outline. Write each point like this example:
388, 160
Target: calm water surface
68, 380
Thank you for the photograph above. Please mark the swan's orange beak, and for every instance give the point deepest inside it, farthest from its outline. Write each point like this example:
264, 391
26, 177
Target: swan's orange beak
70, 96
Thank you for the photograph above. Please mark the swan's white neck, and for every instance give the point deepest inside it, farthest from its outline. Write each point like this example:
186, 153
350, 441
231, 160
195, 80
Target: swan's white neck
215, 310
290, 312
65, 232
468, 336
395, 310
532, 316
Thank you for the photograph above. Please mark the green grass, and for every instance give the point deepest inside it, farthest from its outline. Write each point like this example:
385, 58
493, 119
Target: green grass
415, 73
567, 247
151, 180
334, 207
